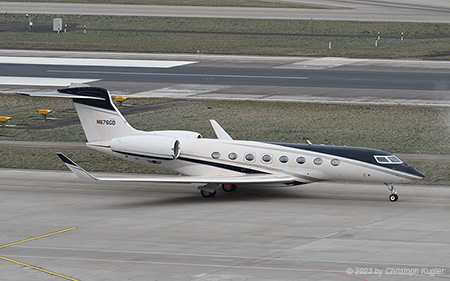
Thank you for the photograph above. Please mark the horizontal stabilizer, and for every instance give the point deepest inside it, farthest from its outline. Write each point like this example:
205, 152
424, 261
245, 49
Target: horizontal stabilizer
59, 95
71, 92
245, 179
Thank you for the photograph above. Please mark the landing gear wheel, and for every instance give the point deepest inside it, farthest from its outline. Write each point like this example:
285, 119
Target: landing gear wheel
207, 194
393, 197
228, 187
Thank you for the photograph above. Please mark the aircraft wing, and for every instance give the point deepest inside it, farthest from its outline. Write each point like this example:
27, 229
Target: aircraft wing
245, 179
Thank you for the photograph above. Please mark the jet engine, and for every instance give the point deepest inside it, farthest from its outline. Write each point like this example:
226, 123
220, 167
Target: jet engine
179, 134
155, 146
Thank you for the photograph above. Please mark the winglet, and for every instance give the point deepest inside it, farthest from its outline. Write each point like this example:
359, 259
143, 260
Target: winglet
77, 170
220, 132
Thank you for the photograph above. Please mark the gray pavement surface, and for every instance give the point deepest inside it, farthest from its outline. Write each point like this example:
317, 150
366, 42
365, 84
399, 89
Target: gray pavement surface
302, 79
153, 232
359, 10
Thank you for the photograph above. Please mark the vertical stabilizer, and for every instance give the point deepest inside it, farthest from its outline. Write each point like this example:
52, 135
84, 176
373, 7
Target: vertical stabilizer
100, 118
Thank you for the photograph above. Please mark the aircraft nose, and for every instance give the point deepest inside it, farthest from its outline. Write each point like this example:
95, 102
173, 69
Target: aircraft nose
414, 172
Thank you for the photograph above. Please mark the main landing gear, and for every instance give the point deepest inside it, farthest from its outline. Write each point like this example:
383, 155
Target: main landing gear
210, 190
393, 197
228, 187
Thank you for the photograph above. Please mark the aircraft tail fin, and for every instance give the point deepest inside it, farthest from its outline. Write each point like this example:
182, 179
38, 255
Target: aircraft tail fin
100, 118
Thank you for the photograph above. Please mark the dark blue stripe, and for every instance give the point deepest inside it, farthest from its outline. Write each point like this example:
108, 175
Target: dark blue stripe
143, 156
222, 166
197, 161
355, 153
91, 92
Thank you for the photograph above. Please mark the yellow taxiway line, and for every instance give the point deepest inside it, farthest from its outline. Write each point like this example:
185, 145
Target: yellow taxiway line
32, 266
37, 237
38, 268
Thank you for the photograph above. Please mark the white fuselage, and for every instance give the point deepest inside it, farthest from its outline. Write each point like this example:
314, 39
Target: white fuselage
211, 158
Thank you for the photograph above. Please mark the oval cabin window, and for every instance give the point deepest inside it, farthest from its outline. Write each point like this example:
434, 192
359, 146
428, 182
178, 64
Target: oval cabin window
250, 157
318, 161
284, 159
301, 160
335, 162
266, 158
232, 156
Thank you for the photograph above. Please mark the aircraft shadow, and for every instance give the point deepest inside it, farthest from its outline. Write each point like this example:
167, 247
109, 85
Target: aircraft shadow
242, 195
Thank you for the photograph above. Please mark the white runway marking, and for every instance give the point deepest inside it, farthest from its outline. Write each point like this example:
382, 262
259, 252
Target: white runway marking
182, 90
321, 63
38, 81
94, 62
181, 74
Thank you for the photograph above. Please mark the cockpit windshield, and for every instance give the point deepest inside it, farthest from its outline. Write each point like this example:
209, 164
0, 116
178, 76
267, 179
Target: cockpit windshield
391, 159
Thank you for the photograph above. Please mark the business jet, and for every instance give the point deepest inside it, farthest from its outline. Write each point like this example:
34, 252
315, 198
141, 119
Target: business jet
222, 162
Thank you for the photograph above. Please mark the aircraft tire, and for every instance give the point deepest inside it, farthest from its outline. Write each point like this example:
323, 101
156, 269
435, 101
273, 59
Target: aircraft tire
393, 197
207, 194
228, 187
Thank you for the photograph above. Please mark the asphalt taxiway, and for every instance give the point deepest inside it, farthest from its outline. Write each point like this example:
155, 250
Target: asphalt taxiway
360, 10
222, 77
55, 227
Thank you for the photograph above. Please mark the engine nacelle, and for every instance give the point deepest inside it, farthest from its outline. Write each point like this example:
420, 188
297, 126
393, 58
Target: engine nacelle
179, 134
159, 147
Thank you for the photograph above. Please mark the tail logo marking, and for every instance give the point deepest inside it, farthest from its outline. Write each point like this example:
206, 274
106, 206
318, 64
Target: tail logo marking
106, 122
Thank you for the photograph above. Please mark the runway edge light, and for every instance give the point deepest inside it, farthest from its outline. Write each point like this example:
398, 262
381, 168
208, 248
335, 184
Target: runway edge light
3, 120
44, 113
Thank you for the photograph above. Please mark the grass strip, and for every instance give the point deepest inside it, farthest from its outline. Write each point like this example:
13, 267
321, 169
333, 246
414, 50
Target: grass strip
399, 129
228, 36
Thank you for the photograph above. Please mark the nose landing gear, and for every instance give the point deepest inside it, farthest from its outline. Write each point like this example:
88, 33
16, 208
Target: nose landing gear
393, 197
